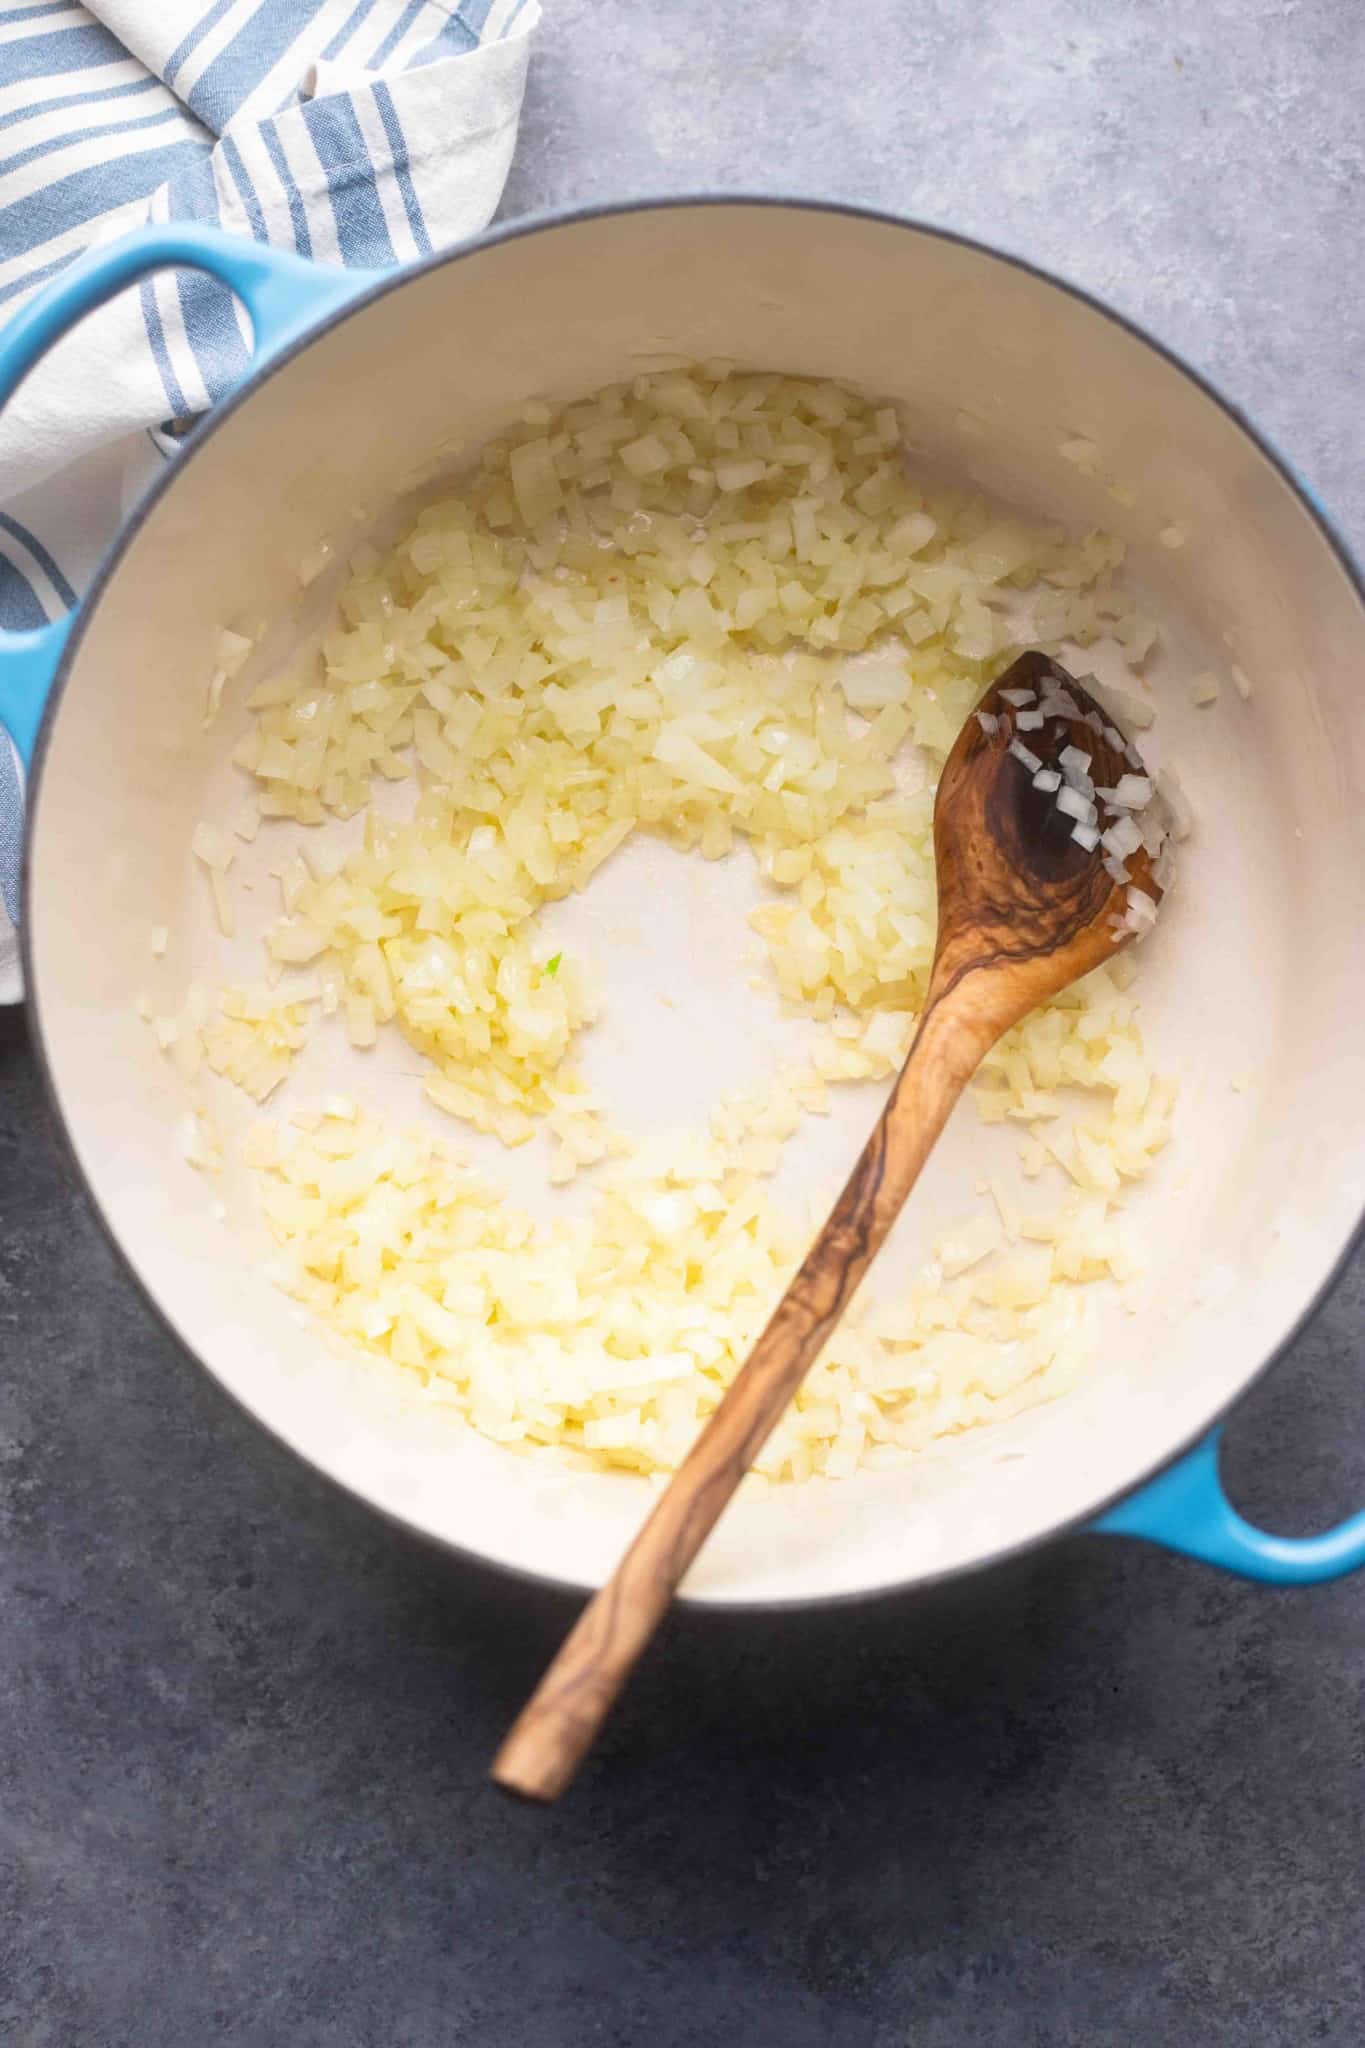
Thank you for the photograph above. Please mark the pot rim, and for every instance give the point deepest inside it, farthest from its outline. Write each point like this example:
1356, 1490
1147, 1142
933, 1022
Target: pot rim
364, 296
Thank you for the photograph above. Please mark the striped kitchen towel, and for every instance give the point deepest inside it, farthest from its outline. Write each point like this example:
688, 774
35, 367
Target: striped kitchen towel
361, 132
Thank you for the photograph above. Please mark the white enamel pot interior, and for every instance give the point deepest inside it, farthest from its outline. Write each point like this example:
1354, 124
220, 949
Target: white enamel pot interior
1251, 987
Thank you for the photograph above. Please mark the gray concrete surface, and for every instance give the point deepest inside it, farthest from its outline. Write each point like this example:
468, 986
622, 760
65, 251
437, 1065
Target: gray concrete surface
1101, 1799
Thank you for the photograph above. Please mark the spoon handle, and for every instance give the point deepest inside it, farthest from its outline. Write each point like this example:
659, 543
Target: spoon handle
559, 1723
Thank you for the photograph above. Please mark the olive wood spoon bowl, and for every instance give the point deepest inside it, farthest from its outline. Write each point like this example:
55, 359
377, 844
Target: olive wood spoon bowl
1023, 910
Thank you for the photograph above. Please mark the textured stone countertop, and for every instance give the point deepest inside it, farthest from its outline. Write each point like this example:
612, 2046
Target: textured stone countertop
1098, 1799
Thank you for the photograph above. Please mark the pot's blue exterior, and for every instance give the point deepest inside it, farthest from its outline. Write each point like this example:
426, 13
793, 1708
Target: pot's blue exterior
1184, 1507
28, 668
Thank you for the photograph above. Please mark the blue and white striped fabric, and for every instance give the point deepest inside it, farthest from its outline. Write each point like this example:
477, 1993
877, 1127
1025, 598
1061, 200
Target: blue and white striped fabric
360, 132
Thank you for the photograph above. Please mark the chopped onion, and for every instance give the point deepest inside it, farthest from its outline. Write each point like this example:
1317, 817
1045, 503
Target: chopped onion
233, 649
535, 481
217, 853
1152, 828
622, 623
1122, 838
1075, 805
1172, 793
1127, 708
217, 681
1129, 793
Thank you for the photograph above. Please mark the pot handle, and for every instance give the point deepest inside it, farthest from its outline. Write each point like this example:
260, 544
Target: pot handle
283, 294
1185, 1508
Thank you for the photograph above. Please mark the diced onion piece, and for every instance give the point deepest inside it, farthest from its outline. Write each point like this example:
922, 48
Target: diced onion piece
738, 476
1128, 708
1058, 702
1172, 793
213, 847
232, 651
535, 481
678, 750
214, 698
1075, 805
1129, 793
1122, 838
217, 853
222, 902
1152, 827
315, 561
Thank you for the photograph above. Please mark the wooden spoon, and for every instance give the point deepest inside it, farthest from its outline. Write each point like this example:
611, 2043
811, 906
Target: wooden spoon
1024, 909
